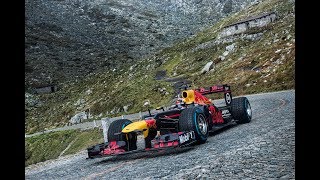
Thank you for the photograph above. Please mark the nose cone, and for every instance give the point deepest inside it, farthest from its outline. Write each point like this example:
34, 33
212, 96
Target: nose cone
139, 125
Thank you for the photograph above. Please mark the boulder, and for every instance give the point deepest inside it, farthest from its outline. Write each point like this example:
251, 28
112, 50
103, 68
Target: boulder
230, 48
125, 108
31, 100
146, 103
88, 92
207, 67
131, 68
78, 118
222, 58
79, 102
225, 53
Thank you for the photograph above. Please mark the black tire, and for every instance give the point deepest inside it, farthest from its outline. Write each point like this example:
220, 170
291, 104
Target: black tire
193, 119
116, 127
241, 110
151, 135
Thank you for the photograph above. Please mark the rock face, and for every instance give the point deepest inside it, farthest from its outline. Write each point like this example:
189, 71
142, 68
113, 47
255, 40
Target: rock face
230, 48
207, 67
68, 39
78, 118
31, 100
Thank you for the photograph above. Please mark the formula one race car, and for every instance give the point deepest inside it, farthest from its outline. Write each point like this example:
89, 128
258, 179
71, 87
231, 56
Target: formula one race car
186, 123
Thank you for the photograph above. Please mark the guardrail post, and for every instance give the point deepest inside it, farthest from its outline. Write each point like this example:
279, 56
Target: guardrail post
105, 130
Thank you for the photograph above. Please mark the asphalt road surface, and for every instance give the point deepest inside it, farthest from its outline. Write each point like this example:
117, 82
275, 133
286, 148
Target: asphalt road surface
261, 149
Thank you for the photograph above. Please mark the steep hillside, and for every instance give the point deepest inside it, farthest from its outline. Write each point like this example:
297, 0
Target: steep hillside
68, 39
258, 60
261, 59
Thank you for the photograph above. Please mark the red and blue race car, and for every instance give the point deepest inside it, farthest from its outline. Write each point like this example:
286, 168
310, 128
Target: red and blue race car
186, 123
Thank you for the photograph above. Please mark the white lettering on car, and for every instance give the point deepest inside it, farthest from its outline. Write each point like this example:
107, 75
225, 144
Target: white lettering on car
186, 137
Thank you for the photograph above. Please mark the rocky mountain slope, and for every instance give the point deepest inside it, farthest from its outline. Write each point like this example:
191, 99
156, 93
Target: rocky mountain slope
260, 59
68, 39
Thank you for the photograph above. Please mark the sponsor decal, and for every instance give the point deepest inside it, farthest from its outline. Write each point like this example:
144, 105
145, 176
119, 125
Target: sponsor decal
225, 112
186, 137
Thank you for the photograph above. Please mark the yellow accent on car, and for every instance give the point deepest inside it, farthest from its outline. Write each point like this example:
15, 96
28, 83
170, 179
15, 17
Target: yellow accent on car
188, 96
137, 126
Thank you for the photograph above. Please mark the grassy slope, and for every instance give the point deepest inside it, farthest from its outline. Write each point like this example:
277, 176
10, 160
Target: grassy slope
49, 146
253, 67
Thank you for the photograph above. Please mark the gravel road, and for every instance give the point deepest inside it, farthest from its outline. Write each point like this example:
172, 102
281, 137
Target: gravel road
261, 149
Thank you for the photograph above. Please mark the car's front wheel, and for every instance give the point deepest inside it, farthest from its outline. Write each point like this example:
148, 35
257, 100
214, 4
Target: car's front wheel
130, 139
193, 119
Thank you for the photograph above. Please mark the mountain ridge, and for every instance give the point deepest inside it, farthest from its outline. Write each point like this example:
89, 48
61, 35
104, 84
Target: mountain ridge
68, 39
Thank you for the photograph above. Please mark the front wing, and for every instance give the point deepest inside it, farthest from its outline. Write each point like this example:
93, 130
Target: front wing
163, 142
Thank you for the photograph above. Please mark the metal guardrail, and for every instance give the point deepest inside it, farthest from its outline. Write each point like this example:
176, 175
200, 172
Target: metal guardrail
92, 124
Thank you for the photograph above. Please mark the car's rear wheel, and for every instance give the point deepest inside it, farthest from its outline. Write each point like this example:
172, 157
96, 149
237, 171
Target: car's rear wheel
241, 110
130, 139
193, 119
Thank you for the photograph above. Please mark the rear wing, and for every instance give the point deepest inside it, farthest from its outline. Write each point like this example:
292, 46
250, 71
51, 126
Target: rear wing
218, 89
214, 89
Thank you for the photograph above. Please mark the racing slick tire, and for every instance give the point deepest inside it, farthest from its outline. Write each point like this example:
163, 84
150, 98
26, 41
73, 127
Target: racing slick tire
116, 127
151, 135
193, 119
241, 110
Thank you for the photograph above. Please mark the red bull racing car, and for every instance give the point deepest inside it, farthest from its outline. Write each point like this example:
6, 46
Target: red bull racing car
186, 123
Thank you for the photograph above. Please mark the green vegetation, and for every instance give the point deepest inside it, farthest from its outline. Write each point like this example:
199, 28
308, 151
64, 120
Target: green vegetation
266, 64
49, 146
